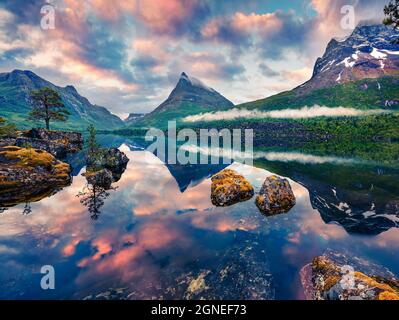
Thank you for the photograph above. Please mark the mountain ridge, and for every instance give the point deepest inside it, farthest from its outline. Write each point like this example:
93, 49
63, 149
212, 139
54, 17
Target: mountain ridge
15, 87
369, 52
345, 77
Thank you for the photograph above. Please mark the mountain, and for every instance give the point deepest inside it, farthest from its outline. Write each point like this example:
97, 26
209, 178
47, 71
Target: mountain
361, 71
368, 53
15, 105
133, 117
190, 96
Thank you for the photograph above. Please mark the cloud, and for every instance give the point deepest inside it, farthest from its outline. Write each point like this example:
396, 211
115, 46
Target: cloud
267, 71
299, 76
269, 33
213, 65
305, 112
127, 55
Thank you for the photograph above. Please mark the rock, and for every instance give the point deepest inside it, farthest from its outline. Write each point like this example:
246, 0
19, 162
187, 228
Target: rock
229, 187
325, 279
112, 159
275, 196
73, 138
58, 143
102, 178
29, 175
7, 141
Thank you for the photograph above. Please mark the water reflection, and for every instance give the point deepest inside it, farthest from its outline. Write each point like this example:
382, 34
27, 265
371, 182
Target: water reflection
361, 198
93, 197
154, 241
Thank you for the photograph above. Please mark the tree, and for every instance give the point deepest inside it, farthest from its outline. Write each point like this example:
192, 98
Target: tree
93, 197
47, 105
7, 129
391, 11
92, 144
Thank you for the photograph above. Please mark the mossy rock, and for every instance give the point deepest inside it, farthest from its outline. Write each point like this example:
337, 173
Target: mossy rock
333, 281
229, 187
275, 196
29, 175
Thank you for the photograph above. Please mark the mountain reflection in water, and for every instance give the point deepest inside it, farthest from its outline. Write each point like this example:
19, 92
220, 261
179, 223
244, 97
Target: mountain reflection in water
159, 236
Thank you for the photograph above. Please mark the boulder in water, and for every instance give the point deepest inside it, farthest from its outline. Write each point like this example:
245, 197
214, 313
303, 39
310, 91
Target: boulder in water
275, 196
229, 187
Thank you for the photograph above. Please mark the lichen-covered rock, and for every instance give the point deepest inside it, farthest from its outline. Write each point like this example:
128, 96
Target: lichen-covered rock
58, 143
29, 175
229, 187
112, 159
102, 178
74, 138
275, 196
325, 279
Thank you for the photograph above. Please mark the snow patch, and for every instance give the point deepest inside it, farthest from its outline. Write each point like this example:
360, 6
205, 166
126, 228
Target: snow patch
355, 56
339, 77
378, 54
391, 52
347, 62
327, 66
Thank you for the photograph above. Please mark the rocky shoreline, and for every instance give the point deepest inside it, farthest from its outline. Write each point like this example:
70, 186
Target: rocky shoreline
333, 276
30, 164
57, 143
29, 175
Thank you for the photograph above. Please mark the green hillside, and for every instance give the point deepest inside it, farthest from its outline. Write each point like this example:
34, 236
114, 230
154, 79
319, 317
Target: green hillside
362, 94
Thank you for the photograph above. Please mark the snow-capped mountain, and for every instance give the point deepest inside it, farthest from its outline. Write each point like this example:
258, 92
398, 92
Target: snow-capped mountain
190, 96
369, 52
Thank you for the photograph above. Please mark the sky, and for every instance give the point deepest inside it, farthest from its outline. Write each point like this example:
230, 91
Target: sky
127, 55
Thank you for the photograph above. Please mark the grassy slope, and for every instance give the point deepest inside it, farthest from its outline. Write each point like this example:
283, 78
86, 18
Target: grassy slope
350, 94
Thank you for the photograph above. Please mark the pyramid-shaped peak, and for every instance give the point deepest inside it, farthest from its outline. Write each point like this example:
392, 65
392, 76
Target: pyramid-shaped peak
185, 81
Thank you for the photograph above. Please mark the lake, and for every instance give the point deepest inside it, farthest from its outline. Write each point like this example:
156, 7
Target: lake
156, 234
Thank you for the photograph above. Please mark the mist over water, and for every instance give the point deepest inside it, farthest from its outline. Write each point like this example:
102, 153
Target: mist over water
303, 113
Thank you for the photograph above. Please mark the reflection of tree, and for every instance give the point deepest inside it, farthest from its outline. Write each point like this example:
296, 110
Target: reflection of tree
27, 209
93, 197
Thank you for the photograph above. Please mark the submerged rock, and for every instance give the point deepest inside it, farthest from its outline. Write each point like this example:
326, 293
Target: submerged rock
325, 279
29, 175
275, 196
112, 159
58, 143
102, 178
229, 187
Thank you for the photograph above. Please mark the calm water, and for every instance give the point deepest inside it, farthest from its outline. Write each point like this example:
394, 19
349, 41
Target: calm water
157, 235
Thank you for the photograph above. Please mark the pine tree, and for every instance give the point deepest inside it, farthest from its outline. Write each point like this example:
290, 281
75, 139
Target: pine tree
47, 105
92, 144
391, 11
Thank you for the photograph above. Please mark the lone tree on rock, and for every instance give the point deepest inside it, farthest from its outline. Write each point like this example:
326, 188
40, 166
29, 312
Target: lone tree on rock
391, 11
47, 105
